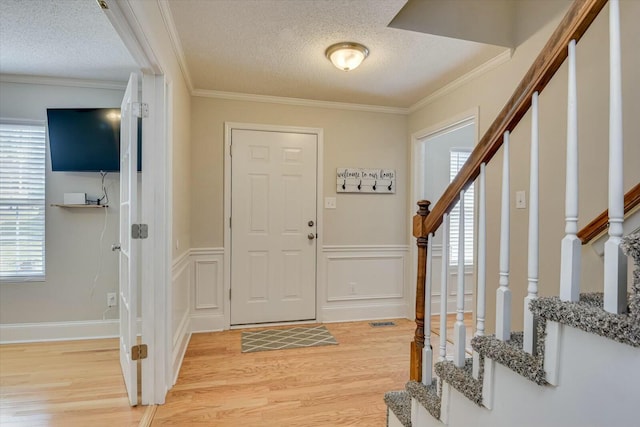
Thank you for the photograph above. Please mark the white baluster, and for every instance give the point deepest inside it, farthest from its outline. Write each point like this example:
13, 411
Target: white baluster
482, 267
443, 287
615, 263
530, 321
503, 294
571, 245
427, 352
459, 330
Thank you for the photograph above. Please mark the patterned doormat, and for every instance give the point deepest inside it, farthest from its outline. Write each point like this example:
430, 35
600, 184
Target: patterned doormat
280, 339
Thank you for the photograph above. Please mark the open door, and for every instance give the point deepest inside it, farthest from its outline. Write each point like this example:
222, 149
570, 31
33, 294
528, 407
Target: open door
129, 246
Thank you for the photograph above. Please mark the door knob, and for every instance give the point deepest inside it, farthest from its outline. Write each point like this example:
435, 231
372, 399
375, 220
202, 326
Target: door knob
311, 236
115, 247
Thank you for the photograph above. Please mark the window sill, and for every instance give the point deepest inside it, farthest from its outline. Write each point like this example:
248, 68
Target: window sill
20, 279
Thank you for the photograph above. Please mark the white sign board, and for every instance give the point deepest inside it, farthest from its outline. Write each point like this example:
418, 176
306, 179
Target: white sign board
359, 180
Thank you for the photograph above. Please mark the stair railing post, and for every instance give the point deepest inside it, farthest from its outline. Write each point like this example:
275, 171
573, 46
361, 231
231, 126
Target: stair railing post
444, 279
503, 294
571, 244
530, 321
482, 266
419, 232
427, 352
615, 262
459, 330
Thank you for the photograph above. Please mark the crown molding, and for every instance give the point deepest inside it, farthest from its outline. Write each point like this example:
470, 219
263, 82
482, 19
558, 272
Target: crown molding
471, 75
61, 81
176, 44
234, 96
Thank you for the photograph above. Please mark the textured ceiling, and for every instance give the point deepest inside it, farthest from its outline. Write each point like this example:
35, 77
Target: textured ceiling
261, 47
61, 38
276, 47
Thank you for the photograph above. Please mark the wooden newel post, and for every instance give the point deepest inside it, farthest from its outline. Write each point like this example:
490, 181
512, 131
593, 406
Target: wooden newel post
422, 237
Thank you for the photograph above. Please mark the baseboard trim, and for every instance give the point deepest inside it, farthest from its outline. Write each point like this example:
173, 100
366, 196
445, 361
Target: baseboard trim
179, 351
207, 323
352, 313
61, 331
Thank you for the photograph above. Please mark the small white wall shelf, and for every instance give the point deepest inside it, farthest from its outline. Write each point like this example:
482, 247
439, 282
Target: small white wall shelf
360, 180
61, 205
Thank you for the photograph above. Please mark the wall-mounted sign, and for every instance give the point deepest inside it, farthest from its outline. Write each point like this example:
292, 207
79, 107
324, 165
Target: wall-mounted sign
359, 180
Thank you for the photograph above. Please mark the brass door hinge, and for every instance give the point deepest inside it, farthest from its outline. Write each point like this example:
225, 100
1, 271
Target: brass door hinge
139, 352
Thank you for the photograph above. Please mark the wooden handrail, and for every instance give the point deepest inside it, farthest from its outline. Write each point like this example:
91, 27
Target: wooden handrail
601, 222
573, 26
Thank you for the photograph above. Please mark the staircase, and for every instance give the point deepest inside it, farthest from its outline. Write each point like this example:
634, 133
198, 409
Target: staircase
577, 362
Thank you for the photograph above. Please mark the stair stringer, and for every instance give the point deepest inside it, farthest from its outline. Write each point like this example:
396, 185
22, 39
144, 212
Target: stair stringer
598, 385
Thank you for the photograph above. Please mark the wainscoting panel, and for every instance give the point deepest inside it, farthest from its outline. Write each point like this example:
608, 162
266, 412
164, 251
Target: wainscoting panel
363, 282
180, 296
207, 309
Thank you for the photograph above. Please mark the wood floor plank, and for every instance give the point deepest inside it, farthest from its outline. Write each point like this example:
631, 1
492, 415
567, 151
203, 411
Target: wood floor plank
341, 385
70, 383
79, 383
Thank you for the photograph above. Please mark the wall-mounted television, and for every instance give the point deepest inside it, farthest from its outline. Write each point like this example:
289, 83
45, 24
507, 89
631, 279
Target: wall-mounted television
86, 139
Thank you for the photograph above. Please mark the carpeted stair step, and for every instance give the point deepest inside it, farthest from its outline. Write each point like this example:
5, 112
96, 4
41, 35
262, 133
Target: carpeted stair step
462, 379
588, 315
512, 355
427, 395
399, 403
631, 247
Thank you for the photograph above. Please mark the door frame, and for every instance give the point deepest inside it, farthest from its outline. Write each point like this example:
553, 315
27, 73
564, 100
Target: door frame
155, 202
228, 127
416, 173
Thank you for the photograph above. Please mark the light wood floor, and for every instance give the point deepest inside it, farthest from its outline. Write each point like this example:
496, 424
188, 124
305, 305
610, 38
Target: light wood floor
71, 383
78, 383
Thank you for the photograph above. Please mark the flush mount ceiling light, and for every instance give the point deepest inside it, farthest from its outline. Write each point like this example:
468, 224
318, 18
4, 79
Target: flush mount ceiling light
346, 56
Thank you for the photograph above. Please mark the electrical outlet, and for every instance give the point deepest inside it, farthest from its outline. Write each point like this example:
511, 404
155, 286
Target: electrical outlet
521, 200
352, 288
112, 299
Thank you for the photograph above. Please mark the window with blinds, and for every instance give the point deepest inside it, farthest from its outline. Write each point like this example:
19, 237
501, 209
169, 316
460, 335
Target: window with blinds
22, 205
457, 157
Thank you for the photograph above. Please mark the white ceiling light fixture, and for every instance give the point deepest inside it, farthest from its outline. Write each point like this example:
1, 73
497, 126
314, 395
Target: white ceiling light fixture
346, 56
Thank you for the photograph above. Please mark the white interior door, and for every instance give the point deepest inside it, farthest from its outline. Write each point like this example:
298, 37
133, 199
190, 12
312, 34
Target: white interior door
273, 233
128, 246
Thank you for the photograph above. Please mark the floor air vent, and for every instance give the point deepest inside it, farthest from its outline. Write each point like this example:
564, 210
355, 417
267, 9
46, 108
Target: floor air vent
381, 324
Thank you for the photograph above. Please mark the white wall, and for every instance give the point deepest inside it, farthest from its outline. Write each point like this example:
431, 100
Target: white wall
489, 93
73, 247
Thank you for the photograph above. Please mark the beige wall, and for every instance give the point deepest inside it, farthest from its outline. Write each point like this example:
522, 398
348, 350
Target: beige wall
351, 139
74, 254
490, 91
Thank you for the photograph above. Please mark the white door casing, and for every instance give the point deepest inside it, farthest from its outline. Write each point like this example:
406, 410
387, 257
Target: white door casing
419, 176
274, 226
128, 247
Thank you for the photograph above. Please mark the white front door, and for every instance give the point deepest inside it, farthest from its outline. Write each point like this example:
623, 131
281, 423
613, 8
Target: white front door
128, 246
273, 226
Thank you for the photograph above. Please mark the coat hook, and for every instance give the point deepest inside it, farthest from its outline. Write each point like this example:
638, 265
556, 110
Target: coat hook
360, 185
374, 185
390, 184
344, 184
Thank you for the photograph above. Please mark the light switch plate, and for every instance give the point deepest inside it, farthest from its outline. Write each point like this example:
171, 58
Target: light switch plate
329, 202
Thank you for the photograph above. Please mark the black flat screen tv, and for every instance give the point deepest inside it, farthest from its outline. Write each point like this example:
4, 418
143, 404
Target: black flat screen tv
86, 139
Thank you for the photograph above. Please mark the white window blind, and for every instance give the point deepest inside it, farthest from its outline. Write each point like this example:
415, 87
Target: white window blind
457, 158
22, 202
